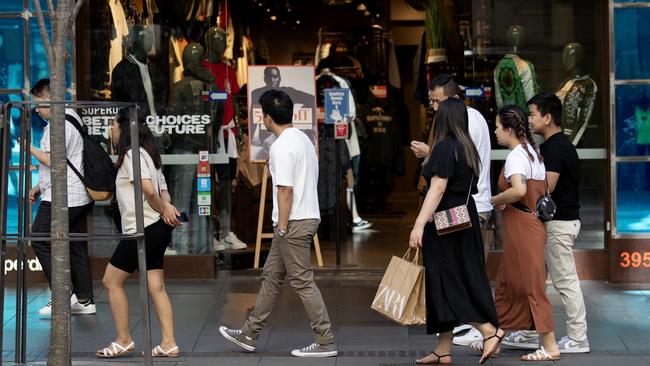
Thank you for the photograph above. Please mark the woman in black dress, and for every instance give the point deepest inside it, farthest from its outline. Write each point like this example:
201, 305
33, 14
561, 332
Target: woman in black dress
457, 287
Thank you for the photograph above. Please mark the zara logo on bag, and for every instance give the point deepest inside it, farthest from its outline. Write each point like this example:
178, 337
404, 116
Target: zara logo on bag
393, 301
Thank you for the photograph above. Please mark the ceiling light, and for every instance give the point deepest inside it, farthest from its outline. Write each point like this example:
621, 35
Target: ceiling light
298, 21
274, 18
362, 7
366, 13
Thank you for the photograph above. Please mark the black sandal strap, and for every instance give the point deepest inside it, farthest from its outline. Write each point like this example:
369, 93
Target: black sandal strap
495, 335
440, 356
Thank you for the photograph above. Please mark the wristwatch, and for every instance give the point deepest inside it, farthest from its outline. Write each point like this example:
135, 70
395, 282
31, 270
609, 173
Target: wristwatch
281, 232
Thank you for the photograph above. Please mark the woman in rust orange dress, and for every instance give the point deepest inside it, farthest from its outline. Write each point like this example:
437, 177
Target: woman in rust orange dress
520, 293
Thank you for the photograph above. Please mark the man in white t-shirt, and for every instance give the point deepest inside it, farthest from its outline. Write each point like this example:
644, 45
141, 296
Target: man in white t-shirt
443, 87
79, 206
294, 169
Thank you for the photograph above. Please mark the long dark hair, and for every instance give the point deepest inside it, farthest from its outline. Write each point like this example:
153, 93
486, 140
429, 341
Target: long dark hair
512, 116
452, 120
145, 137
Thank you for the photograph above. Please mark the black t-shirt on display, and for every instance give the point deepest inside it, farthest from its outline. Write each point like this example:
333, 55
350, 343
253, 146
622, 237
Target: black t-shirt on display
560, 156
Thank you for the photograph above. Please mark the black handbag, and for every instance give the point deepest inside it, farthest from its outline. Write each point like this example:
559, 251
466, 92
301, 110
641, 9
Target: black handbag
545, 207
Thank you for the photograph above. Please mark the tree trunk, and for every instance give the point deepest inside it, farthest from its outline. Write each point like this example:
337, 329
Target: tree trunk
60, 328
62, 19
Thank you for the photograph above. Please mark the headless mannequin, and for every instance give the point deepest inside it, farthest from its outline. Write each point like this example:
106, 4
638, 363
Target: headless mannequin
577, 93
225, 79
130, 79
514, 78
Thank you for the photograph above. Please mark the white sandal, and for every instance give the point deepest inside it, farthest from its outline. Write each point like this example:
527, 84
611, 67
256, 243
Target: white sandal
115, 350
160, 352
539, 355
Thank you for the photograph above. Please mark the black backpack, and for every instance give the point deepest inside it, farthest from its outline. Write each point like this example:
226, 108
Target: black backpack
98, 167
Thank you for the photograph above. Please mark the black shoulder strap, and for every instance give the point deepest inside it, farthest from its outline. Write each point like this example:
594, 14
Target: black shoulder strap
75, 122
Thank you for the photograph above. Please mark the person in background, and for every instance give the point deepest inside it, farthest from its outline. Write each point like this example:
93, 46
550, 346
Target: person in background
160, 218
520, 290
294, 169
80, 205
457, 287
563, 175
441, 88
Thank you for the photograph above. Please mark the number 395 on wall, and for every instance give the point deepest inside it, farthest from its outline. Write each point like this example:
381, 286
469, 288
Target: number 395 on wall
634, 259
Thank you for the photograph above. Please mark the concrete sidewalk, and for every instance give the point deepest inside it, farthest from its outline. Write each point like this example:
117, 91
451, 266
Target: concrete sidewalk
618, 318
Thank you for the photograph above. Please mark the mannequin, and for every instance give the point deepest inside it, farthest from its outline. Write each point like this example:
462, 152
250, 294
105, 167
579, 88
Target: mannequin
515, 81
186, 99
131, 77
225, 79
577, 93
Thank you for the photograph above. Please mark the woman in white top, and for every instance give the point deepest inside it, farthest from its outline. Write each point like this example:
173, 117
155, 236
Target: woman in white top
160, 218
520, 289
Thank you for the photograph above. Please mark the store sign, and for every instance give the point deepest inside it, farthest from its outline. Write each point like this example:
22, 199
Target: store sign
299, 83
336, 105
204, 199
204, 210
203, 184
99, 120
33, 265
341, 130
218, 96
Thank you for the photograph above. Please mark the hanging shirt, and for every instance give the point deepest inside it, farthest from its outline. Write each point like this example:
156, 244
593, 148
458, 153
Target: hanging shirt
146, 82
515, 81
577, 96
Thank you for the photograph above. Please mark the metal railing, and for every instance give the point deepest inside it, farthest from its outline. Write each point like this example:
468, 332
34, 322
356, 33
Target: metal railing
24, 235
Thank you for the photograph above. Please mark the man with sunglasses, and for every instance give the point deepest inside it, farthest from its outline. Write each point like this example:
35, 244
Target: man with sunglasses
441, 88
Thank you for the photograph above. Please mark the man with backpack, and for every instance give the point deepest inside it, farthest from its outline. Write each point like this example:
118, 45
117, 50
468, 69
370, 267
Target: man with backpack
80, 205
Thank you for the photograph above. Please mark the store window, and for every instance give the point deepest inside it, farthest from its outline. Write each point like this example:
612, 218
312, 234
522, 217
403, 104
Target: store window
513, 50
631, 216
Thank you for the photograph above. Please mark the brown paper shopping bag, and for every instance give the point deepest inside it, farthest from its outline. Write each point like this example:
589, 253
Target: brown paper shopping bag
400, 296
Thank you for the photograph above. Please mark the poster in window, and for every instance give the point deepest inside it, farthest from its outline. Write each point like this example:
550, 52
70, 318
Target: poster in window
299, 83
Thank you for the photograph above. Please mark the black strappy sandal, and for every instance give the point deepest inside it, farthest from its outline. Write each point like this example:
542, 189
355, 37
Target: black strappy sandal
496, 346
437, 362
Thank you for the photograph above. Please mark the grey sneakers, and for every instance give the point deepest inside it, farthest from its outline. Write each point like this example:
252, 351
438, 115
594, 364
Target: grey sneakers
238, 337
522, 339
568, 345
316, 350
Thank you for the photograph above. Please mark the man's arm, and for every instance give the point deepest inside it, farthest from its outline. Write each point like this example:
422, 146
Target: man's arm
552, 178
40, 155
285, 201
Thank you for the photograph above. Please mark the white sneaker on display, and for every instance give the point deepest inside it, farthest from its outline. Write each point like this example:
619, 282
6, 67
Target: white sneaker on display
234, 242
219, 245
470, 337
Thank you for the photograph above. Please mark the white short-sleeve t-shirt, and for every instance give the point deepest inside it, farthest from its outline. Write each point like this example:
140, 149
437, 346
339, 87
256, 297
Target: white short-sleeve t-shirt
293, 163
518, 162
480, 135
74, 147
125, 190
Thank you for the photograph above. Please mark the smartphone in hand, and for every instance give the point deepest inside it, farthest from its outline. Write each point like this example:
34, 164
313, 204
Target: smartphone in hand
183, 217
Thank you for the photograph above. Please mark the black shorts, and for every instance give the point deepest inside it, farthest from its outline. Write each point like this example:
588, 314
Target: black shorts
157, 237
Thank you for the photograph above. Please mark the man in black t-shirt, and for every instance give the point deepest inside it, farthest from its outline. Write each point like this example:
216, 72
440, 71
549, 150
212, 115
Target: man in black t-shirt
563, 176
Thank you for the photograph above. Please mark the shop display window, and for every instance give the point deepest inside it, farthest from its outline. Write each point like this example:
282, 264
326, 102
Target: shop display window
11, 53
631, 36
633, 120
632, 198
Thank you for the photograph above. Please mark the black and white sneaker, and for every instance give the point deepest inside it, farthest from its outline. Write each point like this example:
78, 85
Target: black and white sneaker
86, 308
238, 337
316, 350
361, 225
